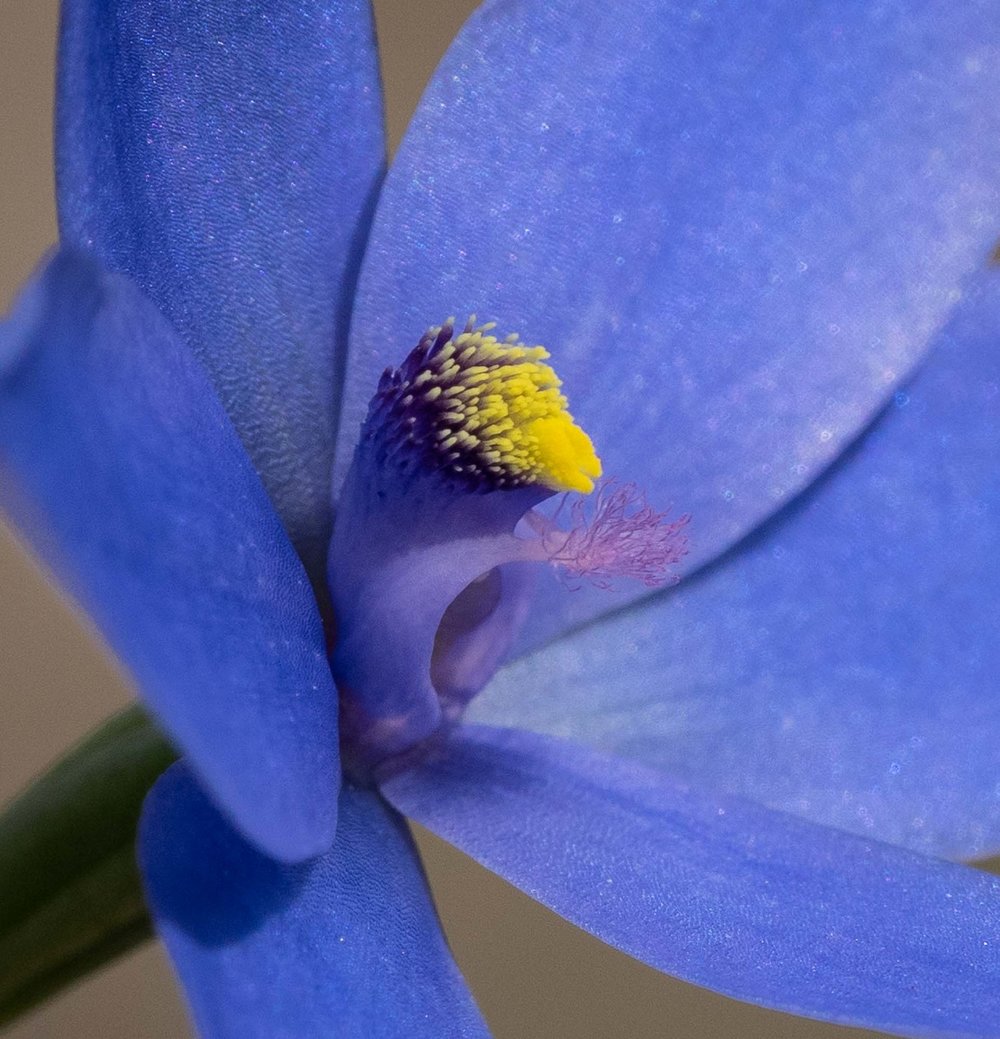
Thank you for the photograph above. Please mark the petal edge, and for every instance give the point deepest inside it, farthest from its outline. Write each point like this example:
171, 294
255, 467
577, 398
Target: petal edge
129, 481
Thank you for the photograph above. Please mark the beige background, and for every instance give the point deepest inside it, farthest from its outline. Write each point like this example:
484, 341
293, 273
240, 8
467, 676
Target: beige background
534, 976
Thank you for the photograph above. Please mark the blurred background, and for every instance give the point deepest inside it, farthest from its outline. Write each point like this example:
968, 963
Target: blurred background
534, 976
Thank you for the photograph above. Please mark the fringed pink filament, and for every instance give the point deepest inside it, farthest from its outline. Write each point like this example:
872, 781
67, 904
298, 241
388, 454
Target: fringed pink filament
616, 533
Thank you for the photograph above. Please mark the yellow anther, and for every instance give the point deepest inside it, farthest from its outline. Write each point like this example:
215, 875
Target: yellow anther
496, 408
518, 419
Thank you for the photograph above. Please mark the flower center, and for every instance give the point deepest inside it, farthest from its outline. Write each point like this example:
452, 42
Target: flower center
430, 567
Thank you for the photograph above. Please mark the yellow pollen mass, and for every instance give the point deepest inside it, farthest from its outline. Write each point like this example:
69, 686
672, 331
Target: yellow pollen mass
501, 403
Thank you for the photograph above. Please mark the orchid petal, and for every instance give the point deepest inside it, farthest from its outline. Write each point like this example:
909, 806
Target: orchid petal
756, 904
841, 664
235, 185
129, 480
735, 234
347, 945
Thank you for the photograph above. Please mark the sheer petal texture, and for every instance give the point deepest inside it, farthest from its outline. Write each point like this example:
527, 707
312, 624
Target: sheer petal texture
841, 663
124, 472
736, 227
755, 904
347, 945
226, 156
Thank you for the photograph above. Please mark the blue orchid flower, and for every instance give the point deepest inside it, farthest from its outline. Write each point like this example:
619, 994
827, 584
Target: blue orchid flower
742, 234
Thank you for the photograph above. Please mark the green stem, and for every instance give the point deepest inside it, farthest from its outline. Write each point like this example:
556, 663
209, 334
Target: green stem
70, 893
